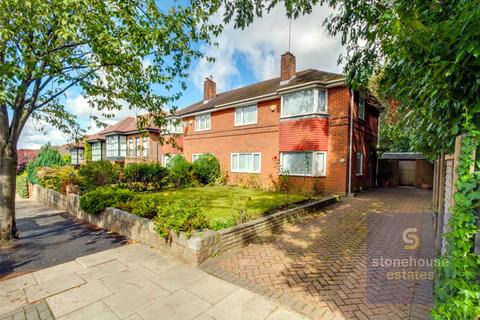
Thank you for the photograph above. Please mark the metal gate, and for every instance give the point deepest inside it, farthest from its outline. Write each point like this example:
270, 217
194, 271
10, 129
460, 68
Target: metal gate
406, 172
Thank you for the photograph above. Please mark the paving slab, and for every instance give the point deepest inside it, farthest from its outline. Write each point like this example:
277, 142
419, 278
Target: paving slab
211, 289
242, 305
181, 305
94, 311
52, 287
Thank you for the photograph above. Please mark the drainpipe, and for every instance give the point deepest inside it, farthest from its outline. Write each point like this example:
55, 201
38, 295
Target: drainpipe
350, 146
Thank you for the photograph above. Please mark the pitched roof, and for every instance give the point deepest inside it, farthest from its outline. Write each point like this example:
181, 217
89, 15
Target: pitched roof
260, 89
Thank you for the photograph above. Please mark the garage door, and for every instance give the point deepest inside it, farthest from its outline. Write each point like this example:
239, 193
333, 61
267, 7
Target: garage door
406, 172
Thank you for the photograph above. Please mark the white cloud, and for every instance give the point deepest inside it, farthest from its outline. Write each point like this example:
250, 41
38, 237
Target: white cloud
33, 138
262, 43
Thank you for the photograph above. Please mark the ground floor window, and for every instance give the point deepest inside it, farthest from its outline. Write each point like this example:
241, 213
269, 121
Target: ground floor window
166, 158
130, 147
246, 162
96, 151
195, 156
145, 146
74, 155
311, 163
359, 163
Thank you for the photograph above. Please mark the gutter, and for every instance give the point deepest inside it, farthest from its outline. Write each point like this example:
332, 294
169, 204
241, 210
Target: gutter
350, 145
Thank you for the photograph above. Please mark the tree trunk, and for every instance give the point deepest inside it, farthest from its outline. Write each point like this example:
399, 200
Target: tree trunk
8, 167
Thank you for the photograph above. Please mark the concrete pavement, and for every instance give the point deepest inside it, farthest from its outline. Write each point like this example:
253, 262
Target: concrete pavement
131, 282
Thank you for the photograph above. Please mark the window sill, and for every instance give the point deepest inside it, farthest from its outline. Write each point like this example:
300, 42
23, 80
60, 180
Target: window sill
245, 124
257, 172
198, 130
359, 175
306, 115
305, 175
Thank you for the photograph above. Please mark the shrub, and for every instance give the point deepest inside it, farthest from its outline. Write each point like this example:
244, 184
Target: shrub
58, 178
98, 174
146, 207
180, 172
206, 168
143, 176
47, 157
96, 201
220, 223
22, 186
180, 216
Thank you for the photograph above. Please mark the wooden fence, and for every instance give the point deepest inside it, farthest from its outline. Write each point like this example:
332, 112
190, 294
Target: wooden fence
444, 178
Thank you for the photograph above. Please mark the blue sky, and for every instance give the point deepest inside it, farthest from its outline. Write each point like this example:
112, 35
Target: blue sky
242, 57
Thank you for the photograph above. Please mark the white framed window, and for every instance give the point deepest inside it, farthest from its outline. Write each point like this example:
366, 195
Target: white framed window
123, 145
195, 156
202, 122
144, 146
246, 162
246, 115
74, 155
138, 147
80, 154
96, 151
131, 149
166, 158
311, 163
359, 164
361, 107
112, 146
304, 102
174, 125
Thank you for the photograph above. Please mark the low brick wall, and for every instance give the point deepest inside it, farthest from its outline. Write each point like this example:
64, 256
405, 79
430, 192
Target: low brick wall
196, 249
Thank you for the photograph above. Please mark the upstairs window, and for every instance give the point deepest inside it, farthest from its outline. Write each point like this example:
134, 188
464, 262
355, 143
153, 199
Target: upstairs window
304, 102
245, 115
246, 162
202, 122
174, 125
312, 163
361, 107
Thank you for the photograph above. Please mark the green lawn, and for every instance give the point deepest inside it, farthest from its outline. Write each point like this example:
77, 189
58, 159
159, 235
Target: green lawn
222, 201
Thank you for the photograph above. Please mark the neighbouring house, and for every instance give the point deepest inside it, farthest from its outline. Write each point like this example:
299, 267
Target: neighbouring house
25, 156
405, 169
124, 143
306, 125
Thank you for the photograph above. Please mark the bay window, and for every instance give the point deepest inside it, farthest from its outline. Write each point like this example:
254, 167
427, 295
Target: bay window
74, 155
311, 163
304, 102
131, 149
116, 146
246, 162
202, 122
96, 151
245, 115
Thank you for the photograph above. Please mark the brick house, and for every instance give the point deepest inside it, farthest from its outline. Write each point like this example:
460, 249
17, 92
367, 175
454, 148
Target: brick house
124, 143
307, 125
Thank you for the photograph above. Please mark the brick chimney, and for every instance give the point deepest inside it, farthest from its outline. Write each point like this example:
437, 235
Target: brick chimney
287, 66
209, 88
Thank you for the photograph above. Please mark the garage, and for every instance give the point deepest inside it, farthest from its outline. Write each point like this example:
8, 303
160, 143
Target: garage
408, 169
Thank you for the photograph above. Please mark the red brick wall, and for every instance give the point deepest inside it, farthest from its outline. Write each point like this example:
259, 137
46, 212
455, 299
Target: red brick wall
225, 138
304, 134
170, 144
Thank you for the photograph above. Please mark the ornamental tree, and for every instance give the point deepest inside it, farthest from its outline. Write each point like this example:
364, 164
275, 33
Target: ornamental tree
49, 47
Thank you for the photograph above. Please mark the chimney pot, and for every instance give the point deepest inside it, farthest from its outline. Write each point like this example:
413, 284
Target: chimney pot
287, 66
209, 88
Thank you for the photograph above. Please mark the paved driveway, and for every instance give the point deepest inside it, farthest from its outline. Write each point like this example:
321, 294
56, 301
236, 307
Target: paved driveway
49, 237
367, 257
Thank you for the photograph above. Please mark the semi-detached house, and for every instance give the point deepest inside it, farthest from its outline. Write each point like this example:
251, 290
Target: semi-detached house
308, 125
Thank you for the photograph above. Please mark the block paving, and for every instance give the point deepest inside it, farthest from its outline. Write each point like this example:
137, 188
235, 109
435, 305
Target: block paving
321, 265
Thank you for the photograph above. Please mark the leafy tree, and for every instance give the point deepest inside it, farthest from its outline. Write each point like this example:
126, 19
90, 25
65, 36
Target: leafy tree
114, 52
47, 157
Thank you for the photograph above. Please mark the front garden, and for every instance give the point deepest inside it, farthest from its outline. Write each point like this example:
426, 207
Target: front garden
180, 197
